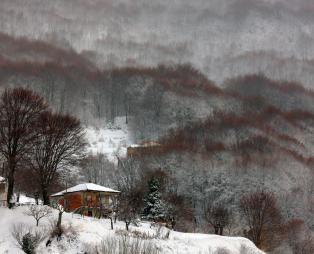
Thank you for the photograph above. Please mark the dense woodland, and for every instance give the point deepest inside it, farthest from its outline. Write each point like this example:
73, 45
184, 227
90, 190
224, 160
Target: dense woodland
234, 127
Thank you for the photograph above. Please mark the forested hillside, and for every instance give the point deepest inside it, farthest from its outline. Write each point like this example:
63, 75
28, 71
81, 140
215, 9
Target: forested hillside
213, 98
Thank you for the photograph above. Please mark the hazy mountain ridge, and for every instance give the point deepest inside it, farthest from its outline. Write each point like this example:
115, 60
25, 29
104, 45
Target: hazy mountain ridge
141, 33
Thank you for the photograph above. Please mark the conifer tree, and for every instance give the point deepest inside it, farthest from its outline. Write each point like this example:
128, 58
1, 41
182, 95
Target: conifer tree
154, 207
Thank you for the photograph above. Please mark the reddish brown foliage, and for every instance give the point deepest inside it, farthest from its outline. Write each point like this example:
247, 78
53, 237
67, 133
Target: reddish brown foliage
263, 81
23, 49
260, 144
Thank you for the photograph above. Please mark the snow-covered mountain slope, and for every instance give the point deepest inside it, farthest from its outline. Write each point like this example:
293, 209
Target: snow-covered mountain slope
110, 140
92, 231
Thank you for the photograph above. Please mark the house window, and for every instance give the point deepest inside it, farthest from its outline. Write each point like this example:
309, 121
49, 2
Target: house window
105, 200
89, 198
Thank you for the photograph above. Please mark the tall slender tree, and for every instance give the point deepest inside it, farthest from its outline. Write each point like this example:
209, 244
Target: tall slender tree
19, 111
59, 145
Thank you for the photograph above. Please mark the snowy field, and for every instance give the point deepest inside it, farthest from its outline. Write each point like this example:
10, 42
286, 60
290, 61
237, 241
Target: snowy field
91, 232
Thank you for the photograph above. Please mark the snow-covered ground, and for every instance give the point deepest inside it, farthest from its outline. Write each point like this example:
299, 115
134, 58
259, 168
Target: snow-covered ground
108, 140
92, 231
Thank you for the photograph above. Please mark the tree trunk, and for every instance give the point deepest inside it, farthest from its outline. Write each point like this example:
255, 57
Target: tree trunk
111, 222
36, 198
216, 230
45, 196
37, 223
221, 231
10, 187
59, 220
127, 226
18, 197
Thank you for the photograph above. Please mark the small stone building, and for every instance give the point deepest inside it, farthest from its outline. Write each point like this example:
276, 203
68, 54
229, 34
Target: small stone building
88, 199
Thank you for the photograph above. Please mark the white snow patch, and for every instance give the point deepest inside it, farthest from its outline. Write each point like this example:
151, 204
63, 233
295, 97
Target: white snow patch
92, 231
110, 140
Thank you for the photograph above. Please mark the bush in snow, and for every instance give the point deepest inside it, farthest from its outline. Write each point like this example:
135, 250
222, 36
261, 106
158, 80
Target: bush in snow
27, 238
28, 243
64, 230
161, 233
126, 245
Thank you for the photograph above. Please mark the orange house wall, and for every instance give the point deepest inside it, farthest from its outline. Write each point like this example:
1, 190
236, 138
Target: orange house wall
78, 199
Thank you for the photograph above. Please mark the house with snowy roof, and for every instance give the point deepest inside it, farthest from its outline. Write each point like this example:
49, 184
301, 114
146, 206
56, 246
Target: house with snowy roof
3, 192
88, 199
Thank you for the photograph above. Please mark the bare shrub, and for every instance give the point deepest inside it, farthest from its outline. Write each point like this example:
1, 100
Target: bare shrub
38, 212
57, 232
26, 237
136, 234
127, 245
160, 234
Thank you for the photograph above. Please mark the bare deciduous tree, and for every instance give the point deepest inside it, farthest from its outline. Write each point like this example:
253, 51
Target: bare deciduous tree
218, 217
127, 210
97, 169
58, 227
38, 212
59, 145
19, 110
129, 174
262, 216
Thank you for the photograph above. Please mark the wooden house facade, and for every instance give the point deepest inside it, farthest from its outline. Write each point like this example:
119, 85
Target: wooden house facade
88, 199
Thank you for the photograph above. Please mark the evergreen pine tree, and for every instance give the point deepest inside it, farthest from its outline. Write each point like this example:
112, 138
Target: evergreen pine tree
154, 207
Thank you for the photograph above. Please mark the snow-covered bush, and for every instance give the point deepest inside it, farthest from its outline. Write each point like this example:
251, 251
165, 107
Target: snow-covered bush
126, 245
26, 237
160, 233
67, 231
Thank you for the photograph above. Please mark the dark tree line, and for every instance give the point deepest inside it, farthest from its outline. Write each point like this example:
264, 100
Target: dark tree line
36, 141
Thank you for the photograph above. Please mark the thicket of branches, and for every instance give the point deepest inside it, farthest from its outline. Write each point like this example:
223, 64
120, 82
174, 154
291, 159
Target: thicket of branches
36, 142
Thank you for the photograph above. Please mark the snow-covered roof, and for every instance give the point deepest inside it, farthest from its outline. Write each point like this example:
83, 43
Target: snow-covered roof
24, 200
85, 187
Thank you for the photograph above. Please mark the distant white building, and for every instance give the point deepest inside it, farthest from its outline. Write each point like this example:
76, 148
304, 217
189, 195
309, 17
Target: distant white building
25, 200
3, 192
